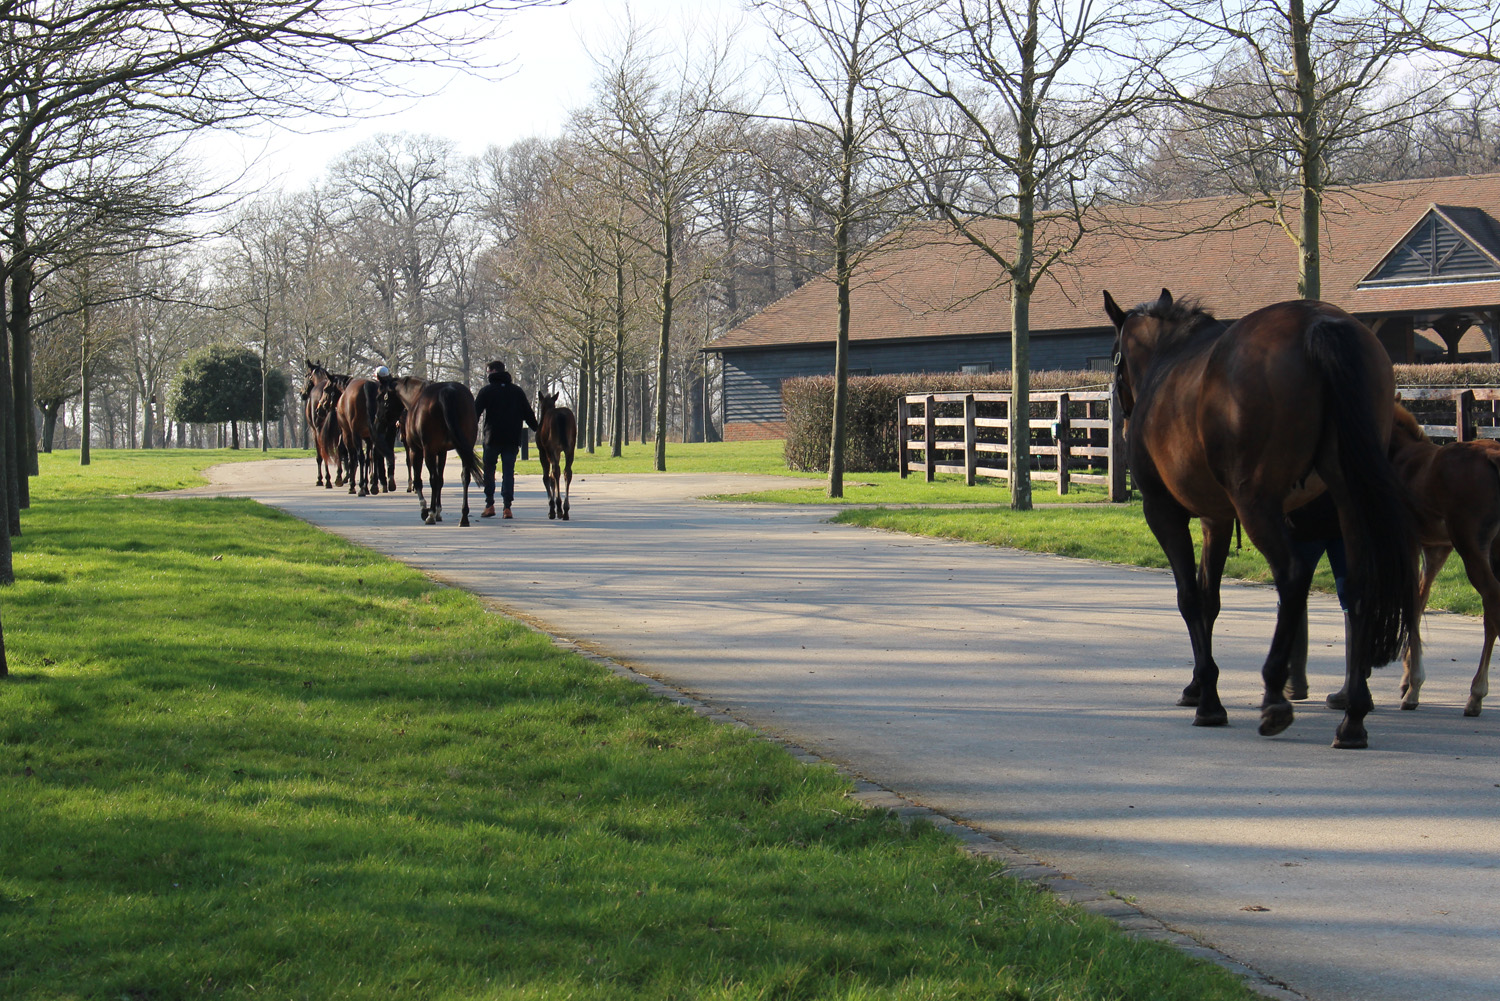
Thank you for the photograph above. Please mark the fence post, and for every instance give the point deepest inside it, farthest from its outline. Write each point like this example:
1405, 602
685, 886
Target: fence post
1119, 488
930, 429
903, 432
971, 454
1060, 434
1463, 425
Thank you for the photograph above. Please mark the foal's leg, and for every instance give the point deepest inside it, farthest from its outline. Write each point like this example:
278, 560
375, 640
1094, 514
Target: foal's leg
1482, 575
549, 480
1168, 521
567, 483
1412, 672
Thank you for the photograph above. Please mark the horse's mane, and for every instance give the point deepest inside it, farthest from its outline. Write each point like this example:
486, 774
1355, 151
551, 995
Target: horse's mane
1181, 320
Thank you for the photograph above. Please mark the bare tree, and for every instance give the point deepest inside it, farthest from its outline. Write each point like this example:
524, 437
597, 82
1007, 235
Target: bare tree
1033, 88
664, 139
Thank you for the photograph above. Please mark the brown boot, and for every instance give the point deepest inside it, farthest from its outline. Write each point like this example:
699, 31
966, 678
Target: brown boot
488, 512
506, 513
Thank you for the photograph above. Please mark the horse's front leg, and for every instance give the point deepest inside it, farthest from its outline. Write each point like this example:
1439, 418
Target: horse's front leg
416, 456
1168, 521
1266, 525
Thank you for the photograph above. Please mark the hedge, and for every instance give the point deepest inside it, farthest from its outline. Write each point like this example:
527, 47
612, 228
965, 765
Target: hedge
871, 446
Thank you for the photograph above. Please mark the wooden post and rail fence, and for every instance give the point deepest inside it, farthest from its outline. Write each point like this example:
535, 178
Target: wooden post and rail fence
1078, 436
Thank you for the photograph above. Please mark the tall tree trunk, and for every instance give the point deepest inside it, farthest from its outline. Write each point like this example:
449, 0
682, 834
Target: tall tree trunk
663, 376
1022, 280
1310, 152
11, 475
617, 434
84, 420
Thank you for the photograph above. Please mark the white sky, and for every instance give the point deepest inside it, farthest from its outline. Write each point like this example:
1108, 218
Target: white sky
550, 75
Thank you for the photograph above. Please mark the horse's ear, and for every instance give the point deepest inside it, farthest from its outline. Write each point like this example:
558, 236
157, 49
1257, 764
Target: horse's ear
1116, 314
1165, 300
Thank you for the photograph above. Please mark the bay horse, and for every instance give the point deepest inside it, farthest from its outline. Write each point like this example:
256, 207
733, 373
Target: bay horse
1248, 421
318, 397
439, 416
556, 440
1455, 501
362, 452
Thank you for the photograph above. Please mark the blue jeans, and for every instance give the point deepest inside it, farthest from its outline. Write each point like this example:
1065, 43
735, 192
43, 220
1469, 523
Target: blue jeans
507, 458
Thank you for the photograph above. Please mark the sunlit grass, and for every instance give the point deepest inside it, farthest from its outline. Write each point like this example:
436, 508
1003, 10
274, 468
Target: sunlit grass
247, 759
113, 471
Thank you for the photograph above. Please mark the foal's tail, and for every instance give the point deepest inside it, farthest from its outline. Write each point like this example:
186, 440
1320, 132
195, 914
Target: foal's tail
1370, 496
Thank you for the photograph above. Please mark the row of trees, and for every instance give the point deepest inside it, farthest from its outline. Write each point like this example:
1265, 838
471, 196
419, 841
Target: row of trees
692, 189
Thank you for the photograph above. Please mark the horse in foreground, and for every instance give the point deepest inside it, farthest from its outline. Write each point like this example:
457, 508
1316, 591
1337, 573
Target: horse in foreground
439, 416
1455, 494
556, 440
1248, 421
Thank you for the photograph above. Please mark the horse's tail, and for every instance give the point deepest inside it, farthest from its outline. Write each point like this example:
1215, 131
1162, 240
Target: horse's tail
1371, 498
463, 441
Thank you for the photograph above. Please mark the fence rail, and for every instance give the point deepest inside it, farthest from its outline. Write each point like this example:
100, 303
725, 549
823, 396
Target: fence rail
1078, 437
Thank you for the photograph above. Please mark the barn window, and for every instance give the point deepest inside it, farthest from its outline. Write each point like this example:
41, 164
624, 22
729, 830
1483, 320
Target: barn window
977, 368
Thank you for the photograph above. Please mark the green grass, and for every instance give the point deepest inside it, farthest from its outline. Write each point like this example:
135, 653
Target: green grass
1113, 534
244, 758
696, 457
890, 488
137, 470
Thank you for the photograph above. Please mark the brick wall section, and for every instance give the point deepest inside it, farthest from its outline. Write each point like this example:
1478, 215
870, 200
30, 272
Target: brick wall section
754, 431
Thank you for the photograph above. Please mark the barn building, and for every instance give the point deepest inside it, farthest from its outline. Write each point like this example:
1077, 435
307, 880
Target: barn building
1418, 261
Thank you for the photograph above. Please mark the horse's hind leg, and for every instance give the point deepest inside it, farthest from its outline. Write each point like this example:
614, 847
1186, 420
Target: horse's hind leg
1482, 577
463, 522
436, 460
1266, 526
567, 485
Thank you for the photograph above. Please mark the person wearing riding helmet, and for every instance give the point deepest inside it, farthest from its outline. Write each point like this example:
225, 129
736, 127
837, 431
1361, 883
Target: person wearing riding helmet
503, 408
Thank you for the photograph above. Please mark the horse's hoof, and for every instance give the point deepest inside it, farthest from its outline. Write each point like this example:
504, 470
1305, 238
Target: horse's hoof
429, 520
1275, 718
464, 521
1351, 743
1220, 718
1408, 705
1187, 700
1297, 693
1337, 700
565, 516
1472, 709
551, 515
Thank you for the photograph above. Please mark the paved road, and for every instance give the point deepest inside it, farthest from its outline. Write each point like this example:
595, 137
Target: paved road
1030, 696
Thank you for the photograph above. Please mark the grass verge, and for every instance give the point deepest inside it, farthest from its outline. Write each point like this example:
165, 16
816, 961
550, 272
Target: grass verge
1115, 534
246, 759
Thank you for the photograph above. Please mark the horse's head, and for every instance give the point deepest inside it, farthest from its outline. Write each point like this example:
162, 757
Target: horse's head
546, 403
1405, 429
389, 406
1143, 332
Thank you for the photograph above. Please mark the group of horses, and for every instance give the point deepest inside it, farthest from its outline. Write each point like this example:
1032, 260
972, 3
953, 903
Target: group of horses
1247, 422
356, 423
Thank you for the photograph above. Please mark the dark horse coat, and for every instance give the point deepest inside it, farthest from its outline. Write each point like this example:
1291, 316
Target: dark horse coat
1250, 421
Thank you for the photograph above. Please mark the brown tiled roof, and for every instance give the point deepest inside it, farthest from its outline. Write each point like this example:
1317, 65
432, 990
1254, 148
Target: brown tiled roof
927, 283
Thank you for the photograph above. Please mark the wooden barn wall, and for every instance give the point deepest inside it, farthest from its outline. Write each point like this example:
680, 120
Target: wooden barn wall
752, 378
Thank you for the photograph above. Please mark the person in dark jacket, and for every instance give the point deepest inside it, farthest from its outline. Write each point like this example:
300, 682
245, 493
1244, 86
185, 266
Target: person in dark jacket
502, 408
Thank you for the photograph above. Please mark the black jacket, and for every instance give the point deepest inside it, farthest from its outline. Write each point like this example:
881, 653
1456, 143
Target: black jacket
502, 408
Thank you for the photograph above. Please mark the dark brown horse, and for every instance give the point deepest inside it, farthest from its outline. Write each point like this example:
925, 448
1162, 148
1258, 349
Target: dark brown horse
1250, 421
319, 397
362, 453
1455, 494
438, 416
556, 440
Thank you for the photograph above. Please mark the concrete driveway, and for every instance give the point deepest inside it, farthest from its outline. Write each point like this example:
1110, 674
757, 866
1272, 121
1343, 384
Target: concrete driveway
1031, 697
